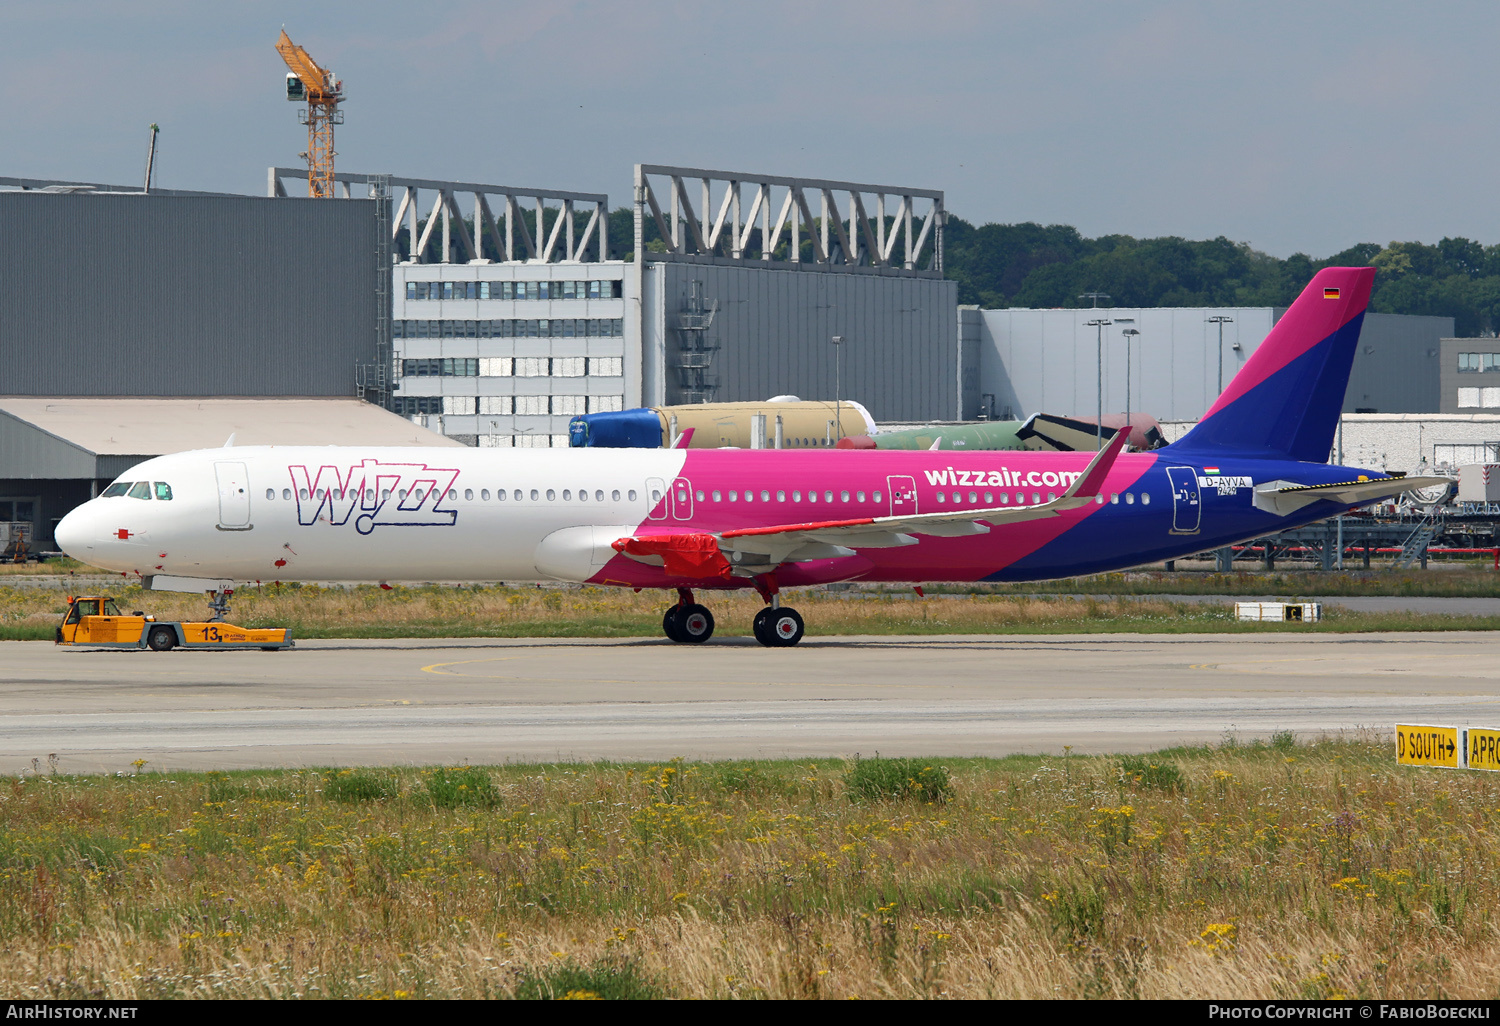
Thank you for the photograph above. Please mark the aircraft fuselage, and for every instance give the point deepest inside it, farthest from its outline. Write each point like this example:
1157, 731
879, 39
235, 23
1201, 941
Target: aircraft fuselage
352, 513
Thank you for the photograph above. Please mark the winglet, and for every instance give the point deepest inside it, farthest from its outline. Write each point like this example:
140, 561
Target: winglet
229, 442
684, 439
1094, 474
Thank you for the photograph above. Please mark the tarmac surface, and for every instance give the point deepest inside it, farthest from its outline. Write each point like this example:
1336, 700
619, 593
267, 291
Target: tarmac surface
483, 701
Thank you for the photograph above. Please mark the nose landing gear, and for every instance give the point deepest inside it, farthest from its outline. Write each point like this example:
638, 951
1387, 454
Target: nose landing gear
218, 601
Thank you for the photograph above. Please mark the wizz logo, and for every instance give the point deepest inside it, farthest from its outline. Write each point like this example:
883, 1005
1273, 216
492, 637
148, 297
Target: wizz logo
375, 493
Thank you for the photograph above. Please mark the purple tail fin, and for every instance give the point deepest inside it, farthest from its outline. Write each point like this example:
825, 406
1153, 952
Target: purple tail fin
1285, 402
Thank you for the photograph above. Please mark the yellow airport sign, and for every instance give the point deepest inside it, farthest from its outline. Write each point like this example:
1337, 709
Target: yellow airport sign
1426, 745
1483, 748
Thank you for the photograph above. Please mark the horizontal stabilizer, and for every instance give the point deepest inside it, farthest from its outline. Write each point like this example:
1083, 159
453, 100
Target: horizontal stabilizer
1286, 497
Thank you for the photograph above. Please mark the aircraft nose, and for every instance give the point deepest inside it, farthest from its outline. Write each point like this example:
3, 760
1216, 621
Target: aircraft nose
71, 532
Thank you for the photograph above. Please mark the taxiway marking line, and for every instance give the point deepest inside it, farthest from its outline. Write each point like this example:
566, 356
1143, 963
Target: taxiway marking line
439, 669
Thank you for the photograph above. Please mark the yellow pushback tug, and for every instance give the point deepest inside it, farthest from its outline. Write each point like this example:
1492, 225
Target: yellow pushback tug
96, 621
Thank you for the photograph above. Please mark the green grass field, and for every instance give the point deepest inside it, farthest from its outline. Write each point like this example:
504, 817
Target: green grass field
433, 611
1248, 869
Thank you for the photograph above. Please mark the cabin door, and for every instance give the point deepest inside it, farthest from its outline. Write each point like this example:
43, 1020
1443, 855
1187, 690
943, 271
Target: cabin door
903, 495
682, 499
1187, 510
656, 491
234, 496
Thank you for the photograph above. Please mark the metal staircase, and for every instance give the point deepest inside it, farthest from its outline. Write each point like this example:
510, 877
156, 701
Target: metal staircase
1415, 547
697, 348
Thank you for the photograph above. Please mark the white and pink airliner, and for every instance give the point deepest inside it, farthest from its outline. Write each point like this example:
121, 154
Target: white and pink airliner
696, 520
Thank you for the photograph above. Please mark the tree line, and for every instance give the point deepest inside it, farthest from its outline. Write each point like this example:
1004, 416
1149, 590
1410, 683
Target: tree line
1031, 265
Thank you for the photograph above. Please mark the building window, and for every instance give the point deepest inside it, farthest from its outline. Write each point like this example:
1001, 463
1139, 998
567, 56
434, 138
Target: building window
496, 405
531, 366
445, 367
459, 405
521, 290
531, 405
568, 405
1458, 453
496, 366
606, 403
555, 327
18, 511
412, 405
606, 366
567, 366
498, 442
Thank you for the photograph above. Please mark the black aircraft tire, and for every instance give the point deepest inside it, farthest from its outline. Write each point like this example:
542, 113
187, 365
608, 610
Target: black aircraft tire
761, 629
669, 623
784, 627
695, 624
161, 639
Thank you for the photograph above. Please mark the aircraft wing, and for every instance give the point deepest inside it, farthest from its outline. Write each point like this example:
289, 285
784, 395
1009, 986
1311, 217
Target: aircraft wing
1284, 497
761, 549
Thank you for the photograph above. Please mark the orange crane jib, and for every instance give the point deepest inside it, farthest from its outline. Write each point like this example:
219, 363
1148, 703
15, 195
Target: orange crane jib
318, 83
323, 94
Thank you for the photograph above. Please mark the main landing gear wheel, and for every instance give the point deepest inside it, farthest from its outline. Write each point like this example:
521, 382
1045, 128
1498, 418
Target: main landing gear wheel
669, 623
758, 625
689, 623
778, 628
695, 624
161, 639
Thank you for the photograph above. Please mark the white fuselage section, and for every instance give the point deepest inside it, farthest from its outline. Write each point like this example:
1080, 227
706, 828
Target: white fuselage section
335, 513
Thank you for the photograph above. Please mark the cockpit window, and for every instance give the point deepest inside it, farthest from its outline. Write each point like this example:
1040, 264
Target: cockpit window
140, 490
163, 490
118, 488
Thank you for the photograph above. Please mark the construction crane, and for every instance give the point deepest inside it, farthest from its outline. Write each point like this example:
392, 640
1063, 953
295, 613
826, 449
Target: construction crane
323, 93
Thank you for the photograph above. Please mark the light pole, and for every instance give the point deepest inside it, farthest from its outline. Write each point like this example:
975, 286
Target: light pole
1100, 323
1130, 334
1220, 320
838, 386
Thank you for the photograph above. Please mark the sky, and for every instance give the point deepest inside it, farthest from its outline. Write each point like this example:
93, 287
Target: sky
1292, 126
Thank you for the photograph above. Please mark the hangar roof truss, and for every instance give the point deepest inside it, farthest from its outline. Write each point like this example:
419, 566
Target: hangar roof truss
722, 227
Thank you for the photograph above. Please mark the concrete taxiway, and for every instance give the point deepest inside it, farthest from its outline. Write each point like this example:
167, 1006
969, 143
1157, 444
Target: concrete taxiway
425, 702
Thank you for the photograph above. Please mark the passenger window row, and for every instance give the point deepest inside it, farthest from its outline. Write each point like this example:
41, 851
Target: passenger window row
592, 289
734, 495
420, 495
